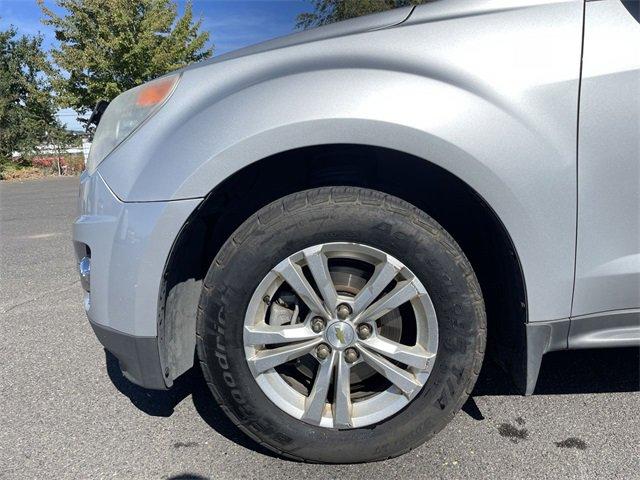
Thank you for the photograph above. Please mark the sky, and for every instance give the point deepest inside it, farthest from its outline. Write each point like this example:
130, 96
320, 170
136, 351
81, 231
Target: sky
232, 24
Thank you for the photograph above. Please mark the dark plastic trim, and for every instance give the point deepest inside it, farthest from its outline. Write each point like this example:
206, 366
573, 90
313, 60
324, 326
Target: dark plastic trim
618, 328
543, 337
138, 356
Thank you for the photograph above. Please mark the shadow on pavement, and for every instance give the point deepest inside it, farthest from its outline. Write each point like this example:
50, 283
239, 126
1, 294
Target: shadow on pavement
567, 372
161, 403
187, 476
571, 371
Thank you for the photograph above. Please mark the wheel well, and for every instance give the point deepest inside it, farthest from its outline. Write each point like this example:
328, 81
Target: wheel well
451, 202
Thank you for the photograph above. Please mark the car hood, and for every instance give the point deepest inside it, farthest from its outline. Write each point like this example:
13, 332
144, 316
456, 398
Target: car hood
349, 27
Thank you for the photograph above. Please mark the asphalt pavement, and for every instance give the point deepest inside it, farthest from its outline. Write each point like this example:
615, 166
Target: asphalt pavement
67, 411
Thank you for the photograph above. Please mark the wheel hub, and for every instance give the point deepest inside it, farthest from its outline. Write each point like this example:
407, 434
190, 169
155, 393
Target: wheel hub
340, 335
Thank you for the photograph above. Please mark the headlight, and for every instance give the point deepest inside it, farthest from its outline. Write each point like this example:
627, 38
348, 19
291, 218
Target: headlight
125, 113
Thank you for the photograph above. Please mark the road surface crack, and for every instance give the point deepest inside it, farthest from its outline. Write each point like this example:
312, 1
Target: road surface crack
42, 295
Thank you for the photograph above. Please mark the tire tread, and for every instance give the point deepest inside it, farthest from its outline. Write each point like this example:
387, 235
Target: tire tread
328, 196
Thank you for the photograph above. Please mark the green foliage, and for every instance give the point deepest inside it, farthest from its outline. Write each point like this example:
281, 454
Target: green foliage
109, 46
27, 110
329, 11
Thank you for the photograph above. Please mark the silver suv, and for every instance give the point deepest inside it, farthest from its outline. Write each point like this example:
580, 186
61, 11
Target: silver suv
336, 225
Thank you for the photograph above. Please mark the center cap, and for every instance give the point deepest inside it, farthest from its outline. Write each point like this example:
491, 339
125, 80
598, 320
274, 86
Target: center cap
340, 334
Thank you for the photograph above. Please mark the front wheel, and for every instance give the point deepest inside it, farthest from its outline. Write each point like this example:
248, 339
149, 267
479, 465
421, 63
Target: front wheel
341, 325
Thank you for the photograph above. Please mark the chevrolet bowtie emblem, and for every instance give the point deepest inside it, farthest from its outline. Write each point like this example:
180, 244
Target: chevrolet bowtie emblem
340, 334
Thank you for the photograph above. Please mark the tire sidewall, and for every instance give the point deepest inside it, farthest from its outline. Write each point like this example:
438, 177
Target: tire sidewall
388, 224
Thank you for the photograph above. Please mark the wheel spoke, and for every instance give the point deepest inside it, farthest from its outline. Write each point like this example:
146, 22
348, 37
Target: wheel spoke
263, 334
266, 359
292, 274
291, 316
402, 379
342, 400
318, 264
413, 356
401, 293
315, 402
382, 276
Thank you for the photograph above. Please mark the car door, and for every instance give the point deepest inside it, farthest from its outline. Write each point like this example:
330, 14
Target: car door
607, 288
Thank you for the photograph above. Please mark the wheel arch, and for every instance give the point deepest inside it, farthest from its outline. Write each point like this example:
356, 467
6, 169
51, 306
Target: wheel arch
460, 209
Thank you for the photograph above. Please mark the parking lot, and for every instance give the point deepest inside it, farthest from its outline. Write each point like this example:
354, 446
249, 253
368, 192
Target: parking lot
67, 411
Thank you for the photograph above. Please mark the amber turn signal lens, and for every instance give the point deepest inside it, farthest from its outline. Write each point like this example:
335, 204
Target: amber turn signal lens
155, 92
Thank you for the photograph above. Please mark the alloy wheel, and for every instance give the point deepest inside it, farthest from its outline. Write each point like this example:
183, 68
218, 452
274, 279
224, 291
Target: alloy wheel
340, 335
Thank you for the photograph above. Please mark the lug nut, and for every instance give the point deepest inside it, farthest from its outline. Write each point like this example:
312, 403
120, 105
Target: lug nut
317, 324
364, 331
343, 311
323, 351
351, 355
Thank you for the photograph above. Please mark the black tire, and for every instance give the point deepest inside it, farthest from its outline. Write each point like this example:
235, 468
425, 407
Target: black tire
327, 215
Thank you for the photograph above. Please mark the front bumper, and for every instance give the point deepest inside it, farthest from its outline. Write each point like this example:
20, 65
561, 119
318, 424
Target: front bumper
138, 357
128, 245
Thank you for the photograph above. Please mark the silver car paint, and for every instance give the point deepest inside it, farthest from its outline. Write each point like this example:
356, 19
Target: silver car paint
129, 245
444, 86
486, 89
608, 253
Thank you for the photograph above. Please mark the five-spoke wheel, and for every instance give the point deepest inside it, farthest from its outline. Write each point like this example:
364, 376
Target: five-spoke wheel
331, 305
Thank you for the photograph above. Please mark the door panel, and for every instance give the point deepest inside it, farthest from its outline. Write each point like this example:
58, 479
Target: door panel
608, 248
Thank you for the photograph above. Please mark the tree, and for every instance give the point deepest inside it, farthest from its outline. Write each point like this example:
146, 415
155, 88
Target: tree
27, 109
109, 46
58, 140
329, 11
